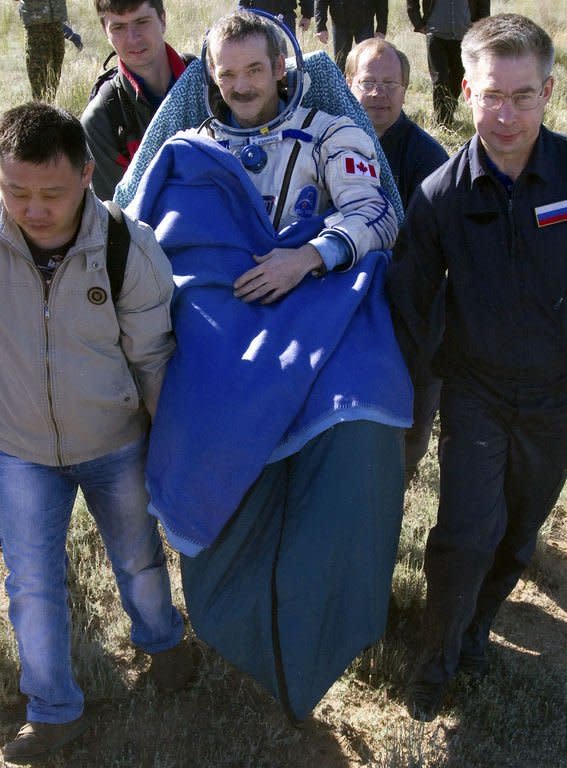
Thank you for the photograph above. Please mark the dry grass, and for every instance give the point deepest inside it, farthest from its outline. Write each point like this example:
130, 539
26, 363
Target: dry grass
517, 718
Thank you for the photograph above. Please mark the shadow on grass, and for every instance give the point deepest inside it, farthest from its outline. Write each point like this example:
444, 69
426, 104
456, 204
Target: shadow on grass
549, 570
516, 716
223, 720
538, 632
390, 662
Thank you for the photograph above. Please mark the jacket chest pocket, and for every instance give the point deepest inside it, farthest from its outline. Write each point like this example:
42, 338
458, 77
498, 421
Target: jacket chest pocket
543, 253
489, 269
89, 312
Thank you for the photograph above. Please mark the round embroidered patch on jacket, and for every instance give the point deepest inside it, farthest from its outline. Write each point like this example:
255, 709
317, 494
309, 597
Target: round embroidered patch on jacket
97, 295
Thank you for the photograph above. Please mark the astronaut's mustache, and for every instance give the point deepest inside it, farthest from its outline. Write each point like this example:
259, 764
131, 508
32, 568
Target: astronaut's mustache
244, 97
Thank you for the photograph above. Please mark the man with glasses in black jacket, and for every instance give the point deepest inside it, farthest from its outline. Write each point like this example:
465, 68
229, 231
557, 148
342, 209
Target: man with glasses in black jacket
493, 218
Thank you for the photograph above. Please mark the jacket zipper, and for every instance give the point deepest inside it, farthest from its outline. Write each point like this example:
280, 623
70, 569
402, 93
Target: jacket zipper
512, 226
46, 317
517, 262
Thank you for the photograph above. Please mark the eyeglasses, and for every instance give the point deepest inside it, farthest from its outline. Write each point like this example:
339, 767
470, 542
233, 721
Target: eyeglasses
371, 86
493, 101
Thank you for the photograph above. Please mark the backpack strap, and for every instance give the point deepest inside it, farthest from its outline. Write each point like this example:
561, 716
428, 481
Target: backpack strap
118, 108
104, 76
122, 117
117, 247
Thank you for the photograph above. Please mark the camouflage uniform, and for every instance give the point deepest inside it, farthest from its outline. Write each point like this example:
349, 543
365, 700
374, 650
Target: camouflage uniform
45, 44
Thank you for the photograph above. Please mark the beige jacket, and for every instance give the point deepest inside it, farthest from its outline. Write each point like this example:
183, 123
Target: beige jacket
79, 376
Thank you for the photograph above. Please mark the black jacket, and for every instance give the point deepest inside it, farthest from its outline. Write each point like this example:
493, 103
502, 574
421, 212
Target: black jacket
348, 13
418, 17
412, 155
506, 307
280, 6
115, 120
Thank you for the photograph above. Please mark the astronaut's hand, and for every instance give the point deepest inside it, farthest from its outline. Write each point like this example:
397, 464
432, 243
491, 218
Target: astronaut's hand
277, 273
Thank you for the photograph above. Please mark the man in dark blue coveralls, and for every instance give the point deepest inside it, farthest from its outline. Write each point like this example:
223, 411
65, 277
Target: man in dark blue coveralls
378, 75
495, 217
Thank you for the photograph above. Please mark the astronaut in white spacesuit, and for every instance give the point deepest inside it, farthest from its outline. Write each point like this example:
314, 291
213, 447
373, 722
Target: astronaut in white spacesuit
301, 161
297, 582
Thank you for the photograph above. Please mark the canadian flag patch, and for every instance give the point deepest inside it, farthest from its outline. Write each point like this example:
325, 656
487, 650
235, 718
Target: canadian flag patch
356, 166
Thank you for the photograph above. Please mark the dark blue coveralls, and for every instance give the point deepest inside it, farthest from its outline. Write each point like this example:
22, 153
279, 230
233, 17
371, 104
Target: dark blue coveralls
503, 361
412, 155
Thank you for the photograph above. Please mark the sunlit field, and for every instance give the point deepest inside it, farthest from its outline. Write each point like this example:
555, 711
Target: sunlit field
515, 718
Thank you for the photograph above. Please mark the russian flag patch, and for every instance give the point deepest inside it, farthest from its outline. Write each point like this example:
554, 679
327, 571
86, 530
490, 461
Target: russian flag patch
356, 166
554, 213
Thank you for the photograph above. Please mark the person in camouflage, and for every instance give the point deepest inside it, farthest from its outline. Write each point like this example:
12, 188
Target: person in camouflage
45, 44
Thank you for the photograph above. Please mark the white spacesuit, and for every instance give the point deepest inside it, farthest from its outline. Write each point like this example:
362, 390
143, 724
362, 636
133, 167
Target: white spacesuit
312, 162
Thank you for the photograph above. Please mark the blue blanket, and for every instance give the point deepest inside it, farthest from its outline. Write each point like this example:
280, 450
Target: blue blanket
249, 384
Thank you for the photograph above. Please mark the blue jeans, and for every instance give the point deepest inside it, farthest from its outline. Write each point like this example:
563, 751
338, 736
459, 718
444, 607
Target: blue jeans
36, 502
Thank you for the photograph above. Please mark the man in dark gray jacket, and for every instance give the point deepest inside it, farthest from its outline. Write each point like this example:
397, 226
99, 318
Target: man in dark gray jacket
445, 23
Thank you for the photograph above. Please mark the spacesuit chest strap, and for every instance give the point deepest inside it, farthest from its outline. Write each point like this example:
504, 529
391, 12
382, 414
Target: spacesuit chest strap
289, 171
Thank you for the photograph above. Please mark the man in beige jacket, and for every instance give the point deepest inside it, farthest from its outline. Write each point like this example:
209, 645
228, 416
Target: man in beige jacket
80, 379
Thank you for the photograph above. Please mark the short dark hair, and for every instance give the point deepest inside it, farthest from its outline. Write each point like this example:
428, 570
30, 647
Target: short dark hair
123, 6
40, 133
243, 24
376, 46
507, 35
